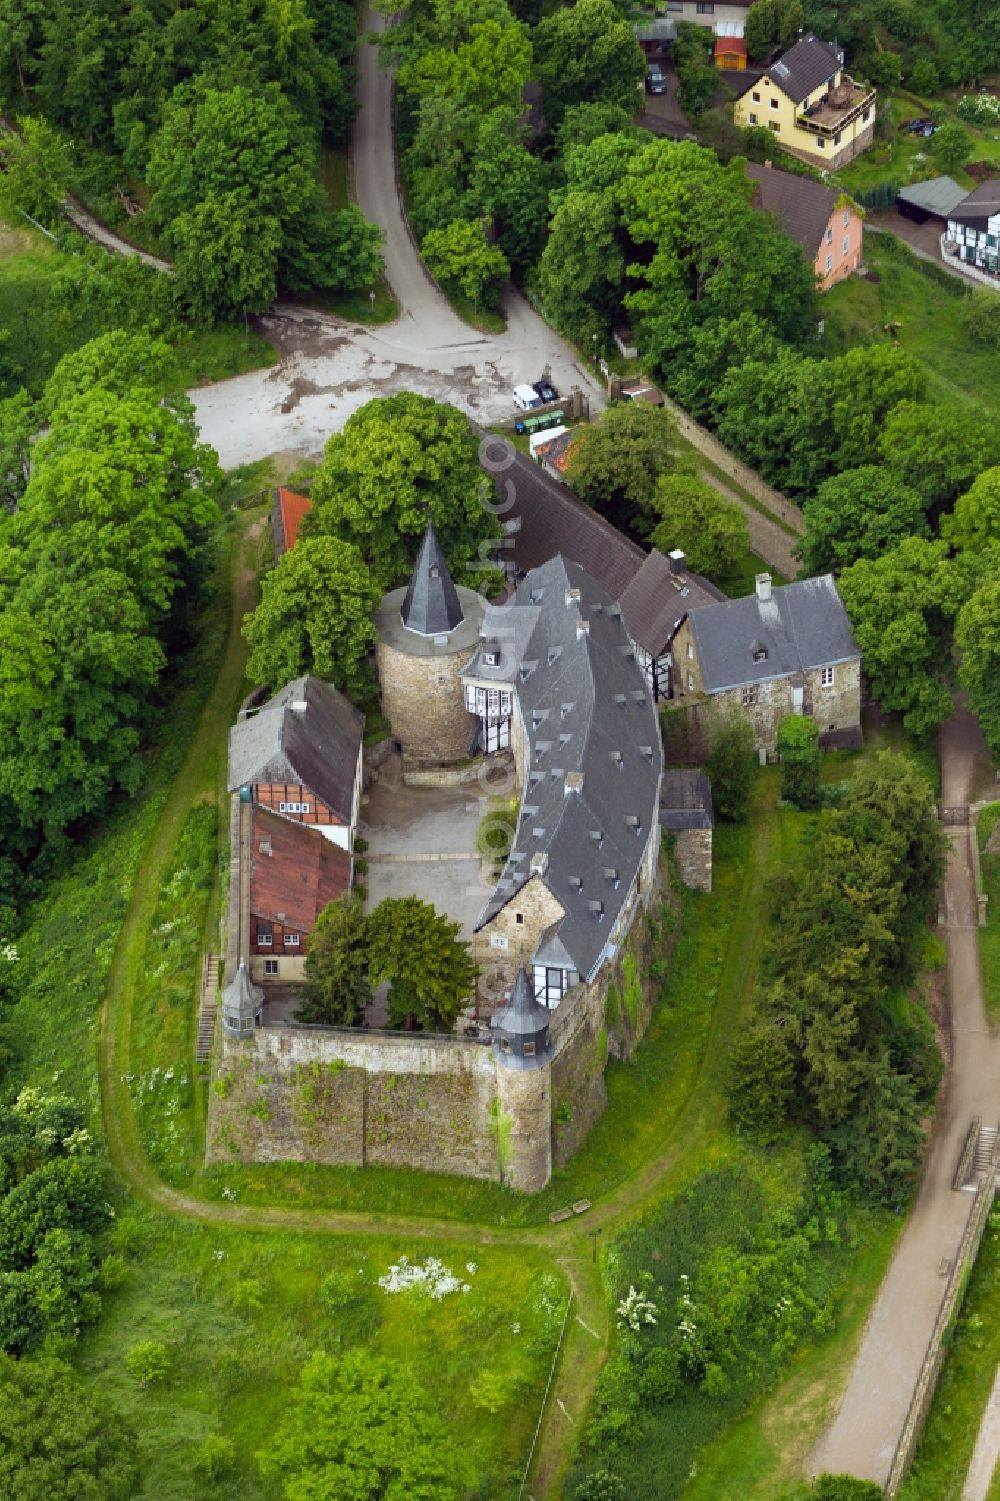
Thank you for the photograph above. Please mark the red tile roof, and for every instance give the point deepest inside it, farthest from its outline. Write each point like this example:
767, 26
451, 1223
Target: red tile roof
730, 46
288, 513
294, 871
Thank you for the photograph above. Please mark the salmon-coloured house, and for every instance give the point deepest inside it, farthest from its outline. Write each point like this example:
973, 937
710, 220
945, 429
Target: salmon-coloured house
826, 223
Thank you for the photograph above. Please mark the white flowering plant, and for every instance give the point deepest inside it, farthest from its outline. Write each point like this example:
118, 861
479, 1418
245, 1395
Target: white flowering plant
430, 1276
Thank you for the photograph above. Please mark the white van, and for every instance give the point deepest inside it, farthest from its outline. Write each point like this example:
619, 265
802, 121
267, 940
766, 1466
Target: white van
526, 398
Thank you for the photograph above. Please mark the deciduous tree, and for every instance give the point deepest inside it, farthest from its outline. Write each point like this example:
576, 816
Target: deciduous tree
337, 989
798, 748
977, 636
615, 464
938, 450
861, 513
59, 1439
462, 259
730, 770
710, 530
587, 53
431, 974
974, 525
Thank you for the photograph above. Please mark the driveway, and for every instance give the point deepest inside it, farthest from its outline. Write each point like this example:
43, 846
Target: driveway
329, 368
863, 1437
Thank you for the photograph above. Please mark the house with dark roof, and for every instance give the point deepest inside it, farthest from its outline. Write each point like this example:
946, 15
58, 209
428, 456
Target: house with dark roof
811, 106
293, 873
588, 760
825, 223
779, 651
299, 755
974, 231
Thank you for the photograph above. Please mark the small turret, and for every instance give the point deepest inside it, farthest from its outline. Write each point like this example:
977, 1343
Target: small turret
242, 1005
521, 1028
431, 606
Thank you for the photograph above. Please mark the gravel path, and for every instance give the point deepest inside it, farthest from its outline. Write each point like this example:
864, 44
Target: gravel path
863, 1437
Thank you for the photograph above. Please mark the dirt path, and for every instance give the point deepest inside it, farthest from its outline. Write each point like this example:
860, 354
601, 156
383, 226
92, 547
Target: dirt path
863, 1437
767, 539
117, 244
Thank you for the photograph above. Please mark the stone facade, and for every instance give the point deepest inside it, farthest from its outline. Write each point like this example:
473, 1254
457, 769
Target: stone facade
422, 694
693, 856
834, 706
522, 1120
513, 935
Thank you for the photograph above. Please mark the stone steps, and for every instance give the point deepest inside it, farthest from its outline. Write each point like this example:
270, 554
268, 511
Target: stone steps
207, 1008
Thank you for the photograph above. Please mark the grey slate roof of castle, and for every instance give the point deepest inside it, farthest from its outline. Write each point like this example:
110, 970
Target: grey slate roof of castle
317, 748
431, 606
802, 626
522, 1015
685, 800
804, 67
594, 759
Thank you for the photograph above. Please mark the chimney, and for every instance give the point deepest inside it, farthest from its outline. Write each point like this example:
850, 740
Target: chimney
763, 583
299, 706
574, 781
677, 561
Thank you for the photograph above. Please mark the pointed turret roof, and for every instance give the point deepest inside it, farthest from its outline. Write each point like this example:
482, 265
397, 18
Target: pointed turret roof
241, 998
522, 1015
431, 606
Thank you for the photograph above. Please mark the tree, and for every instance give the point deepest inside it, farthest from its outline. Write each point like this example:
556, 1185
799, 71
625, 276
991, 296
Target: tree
878, 1147
36, 171
336, 989
508, 186
587, 53
58, 1439
119, 362
730, 769
315, 616
697, 80
18, 426
861, 513
400, 462
902, 607
798, 748
462, 259
431, 973
711, 531
581, 267
977, 637
360, 1427
865, 385
766, 411
761, 1076
487, 70
974, 525
938, 450
951, 146
148, 1361
615, 464
772, 23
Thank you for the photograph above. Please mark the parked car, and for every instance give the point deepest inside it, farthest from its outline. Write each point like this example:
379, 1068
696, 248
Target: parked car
922, 127
656, 79
545, 390
526, 398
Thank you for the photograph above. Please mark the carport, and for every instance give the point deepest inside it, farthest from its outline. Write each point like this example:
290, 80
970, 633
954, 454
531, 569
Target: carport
933, 199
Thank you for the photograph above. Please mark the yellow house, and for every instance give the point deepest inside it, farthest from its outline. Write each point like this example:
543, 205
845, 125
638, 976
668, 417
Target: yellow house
814, 109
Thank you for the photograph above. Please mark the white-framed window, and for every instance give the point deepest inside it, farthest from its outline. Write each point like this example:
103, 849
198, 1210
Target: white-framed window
847, 217
821, 143
690, 650
773, 124
705, 7
498, 941
829, 235
755, 97
829, 263
753, 118
270, 966
847, 245
690, 682
295, 807
291, 940
773, 103
265, 940
826, 678
837, 138
748, 696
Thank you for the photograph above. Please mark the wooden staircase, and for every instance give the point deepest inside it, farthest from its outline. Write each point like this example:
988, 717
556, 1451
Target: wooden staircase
207, 1008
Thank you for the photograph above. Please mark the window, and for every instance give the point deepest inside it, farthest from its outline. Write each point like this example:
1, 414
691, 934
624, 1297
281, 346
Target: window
773, 103
775, 126
497, 941
847, 245
847, 217
748, 697
755, 97
836, 139
829, 263
690, 682
690, 651
821, 143
528, 1051
291, 940
829, 235
270, 966
295, 807
866, 114
827, 677
519, 916
265, 937
705, 7
753, 118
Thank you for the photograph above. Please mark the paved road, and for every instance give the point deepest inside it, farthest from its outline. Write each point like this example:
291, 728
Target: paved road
865, 1432
329, 369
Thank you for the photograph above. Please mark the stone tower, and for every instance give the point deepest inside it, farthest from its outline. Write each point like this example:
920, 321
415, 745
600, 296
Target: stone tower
425, 634
522, 1051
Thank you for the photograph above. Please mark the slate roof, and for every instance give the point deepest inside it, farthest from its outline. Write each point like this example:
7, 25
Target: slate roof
286, 518
294, 871
685, 800
939, 195
804, 67
431, 606
980, 205
318, 748
802, 206
522, 1015
594, 758
802, 626
242, 999
547, 519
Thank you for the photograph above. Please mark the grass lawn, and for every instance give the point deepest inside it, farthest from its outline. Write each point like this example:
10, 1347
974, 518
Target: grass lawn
740, 580
966, 1379
908, 158
989, 937
930, 318
240, 1312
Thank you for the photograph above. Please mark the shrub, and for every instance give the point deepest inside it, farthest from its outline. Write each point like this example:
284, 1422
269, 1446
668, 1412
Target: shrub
798, 747
730, 770
979, 109
247, 1295
148, 1361
114, 1271
215, 1456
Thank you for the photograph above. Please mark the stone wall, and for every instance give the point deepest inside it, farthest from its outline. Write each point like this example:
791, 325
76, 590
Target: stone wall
538, 909
522, 1121
693, 856
579, 1094
424, 702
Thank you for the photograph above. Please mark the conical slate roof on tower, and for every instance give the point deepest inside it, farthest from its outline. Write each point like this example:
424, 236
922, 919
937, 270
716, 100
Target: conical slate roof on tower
522, 1015
431, 606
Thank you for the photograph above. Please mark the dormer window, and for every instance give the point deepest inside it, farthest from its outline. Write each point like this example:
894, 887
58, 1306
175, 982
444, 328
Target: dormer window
633, 822
537, 595
566, 709
621, 700
646, 751
538, 833
576, 882
639, 697
596, 837
435, 571
611, 875
760, 655
618, 759
596, 910
553, 654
